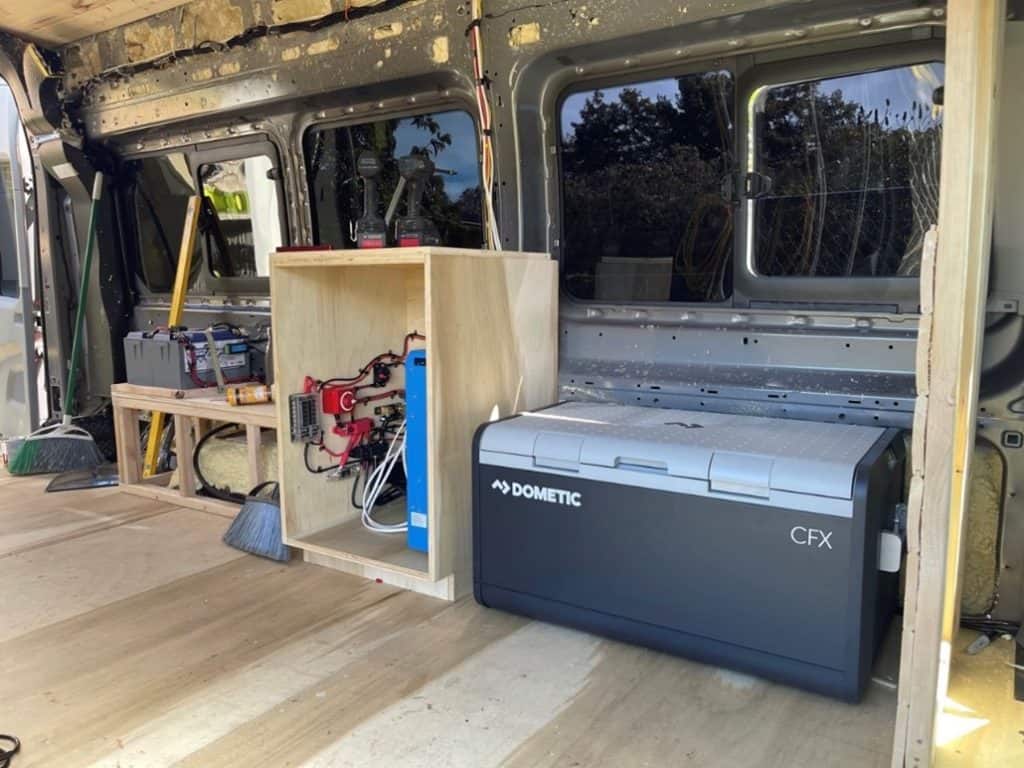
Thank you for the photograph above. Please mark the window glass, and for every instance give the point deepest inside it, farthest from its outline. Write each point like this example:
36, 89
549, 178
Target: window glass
247, 225
643, 166
437, 151
847, 173
159, 191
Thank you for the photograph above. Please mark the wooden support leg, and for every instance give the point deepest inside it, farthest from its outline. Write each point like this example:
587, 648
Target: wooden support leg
253, 441
948, 362
185, 445
126, 433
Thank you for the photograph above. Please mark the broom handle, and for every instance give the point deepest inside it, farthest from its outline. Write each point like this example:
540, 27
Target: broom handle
83, 295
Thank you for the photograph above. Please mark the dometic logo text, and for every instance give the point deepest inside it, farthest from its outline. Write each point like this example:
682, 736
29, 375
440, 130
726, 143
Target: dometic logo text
538, 493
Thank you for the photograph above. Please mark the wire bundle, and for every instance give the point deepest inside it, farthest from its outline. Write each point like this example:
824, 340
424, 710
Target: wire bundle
484, 108
377, 480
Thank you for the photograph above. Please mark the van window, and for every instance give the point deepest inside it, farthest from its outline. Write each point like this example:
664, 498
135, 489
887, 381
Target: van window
440, 147
159, 189
846, 178
243, 194
643, 166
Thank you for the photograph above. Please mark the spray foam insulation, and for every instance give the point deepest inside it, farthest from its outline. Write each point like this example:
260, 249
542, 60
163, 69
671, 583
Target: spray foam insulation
981, 558
225, 461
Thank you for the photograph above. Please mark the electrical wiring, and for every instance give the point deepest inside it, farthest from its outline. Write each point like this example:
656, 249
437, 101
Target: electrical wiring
316, 470
486, 132
389, 357
202, 47
377, 480
209, 487
988, 624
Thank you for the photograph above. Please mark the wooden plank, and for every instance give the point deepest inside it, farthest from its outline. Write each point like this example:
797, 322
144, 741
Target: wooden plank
62, 21
449, 589
73, 576
388, 256
170, 496
55, 517
126, 435
161, 393
492, 331
253, 443
209, 406
351, 541
984, 718
948, 370
186, 445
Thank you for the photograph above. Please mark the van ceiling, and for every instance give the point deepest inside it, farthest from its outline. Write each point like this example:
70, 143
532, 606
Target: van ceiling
61, 21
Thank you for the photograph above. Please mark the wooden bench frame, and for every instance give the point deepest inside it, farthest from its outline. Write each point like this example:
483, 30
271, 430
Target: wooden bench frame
193, 412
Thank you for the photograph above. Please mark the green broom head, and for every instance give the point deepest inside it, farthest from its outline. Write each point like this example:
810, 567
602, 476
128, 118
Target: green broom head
57, 448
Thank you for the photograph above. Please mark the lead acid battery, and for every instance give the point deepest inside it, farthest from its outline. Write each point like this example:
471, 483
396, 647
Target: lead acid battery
181, 359
747, 542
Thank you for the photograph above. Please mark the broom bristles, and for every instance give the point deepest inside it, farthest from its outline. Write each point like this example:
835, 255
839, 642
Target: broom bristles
53, 453
257, 529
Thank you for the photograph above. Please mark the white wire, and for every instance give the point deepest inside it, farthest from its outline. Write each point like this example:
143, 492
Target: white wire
377, 480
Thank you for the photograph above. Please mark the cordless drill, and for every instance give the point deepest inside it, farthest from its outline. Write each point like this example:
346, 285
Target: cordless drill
371, 231
415, 229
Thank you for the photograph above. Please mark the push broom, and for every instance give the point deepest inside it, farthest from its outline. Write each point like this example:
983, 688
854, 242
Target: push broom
62, 447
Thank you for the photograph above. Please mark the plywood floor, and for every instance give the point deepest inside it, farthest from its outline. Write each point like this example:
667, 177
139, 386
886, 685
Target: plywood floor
981, 724
130, 636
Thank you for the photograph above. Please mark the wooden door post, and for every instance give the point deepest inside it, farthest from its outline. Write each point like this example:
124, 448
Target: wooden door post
954, 290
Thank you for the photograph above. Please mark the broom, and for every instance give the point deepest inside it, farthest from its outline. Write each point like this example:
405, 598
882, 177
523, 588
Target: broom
257, 527
63, 447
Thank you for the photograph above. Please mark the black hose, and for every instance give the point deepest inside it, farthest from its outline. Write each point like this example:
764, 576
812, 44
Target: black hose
988, 624
8, 752
209, 488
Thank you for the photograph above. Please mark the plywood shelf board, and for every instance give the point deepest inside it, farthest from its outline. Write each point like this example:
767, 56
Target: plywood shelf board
389, 256
200, 404
351, 541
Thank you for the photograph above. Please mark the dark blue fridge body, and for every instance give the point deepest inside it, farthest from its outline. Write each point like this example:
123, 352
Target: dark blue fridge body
747, 542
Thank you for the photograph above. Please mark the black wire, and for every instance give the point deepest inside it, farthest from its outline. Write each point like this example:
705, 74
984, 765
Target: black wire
988, 624
309, 465
7, 754
208, 487
355, 484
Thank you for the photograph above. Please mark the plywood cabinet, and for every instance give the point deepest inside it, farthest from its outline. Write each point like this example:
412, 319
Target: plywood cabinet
490, 321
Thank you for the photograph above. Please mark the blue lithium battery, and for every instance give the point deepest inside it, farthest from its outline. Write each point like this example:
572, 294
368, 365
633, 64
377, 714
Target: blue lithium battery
416, 448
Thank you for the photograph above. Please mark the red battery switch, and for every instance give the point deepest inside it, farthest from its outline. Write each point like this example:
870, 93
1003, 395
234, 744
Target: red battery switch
336, 400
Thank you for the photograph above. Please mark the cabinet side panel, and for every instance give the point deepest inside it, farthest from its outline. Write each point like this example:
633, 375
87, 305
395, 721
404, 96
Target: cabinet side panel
491, 349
